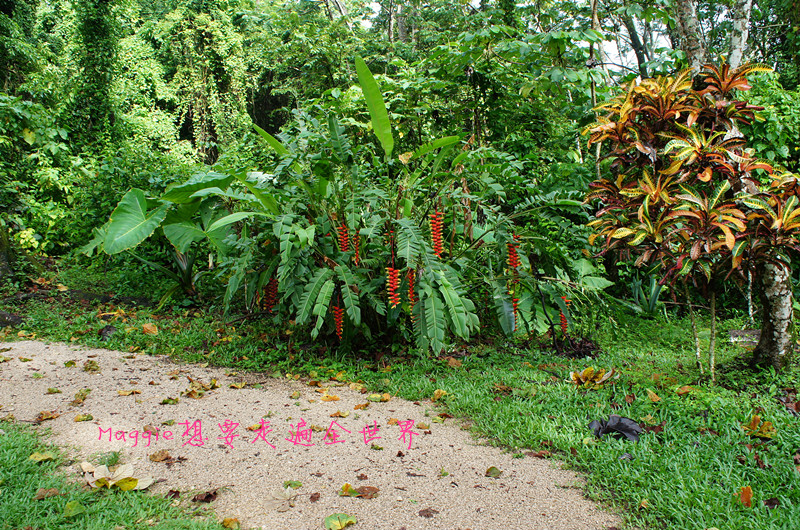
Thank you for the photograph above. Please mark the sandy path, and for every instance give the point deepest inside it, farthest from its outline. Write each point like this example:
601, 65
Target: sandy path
442, 469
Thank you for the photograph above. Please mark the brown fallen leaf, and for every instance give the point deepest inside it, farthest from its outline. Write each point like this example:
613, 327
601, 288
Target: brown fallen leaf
173, 494
630, 398
772, 503
392, 421
428, 513
149, 329
653, 396
745, 496
91, 366
340, 414
194, 394
684, 390
45, 415
128, 392
539, 454
452, 362
231, 522
361, 406
208, 496
362, 476
160, 456
314, 497
43, 493
367, 492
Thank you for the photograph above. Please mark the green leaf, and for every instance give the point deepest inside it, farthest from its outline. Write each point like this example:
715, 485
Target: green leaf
272, 141
73, 508
376, 106
436, 144
266, 199
182, 193
230, 219
130, 223
312, 289
337, 521
348, 293
435, 319
321, 306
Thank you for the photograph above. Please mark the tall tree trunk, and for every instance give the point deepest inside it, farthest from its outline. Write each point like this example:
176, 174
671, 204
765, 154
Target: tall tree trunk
6, 257
402, 25
740, 13
775, 345
636, 43
690, 33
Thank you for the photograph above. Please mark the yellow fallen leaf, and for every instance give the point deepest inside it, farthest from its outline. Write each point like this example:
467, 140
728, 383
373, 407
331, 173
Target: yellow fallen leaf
128, 392
392, 421
231, 523
653, 396
438, 394
240, 385
160, 456
340, 414
149, 329
83, 417
329, 397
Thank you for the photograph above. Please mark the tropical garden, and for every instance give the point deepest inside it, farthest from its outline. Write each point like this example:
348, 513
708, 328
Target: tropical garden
433, 192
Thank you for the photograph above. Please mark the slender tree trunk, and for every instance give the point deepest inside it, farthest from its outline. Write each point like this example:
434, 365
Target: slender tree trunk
5, 252
636, 43
740, 13
775, 345
694, 328
690, 33
712, 341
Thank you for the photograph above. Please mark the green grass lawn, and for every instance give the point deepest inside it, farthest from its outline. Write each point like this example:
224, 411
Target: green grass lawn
685, 473
73, 507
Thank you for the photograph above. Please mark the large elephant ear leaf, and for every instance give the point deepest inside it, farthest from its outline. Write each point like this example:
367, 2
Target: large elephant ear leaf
131, 223
377, 107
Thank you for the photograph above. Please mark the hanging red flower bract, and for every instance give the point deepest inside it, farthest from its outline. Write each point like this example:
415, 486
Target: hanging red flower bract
436, 232
411, 276
564, 324
270, 294
338, 318
344, 239
392, 285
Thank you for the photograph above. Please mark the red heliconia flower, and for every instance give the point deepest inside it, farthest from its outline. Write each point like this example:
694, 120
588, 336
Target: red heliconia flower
392, 284
411, 275
515, 305
356, 247
338, 318
270, 294
344, 239
436, 232
563, 322
566, 300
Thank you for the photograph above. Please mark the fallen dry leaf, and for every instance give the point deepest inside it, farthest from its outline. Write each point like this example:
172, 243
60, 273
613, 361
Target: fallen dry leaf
361, 406
392, 421
314, 497
83, 417
42, 457
128, 392
493, 472
43, 493
231, 522
45, 415
340, 414
428, 513
452, 362
745, 496
367, 492
329, 397
160, 456
684, 390
539, 454
208, 496
438, 394
653, 396
173, 494
149, 329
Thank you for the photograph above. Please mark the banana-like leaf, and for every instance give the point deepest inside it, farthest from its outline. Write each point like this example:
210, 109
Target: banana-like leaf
184, 193
349, 282
456, 308
266, 199
272, 141
321, 306
435, 319
312, 289
503, 307
436, 144
230, 219
131, 223
341, 145
376, 106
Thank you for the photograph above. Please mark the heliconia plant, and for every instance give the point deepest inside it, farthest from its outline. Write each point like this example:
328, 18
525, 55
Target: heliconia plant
685, 195
348, 240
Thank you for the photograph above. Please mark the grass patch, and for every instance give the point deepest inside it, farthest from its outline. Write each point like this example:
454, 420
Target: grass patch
685, 473
21, 478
